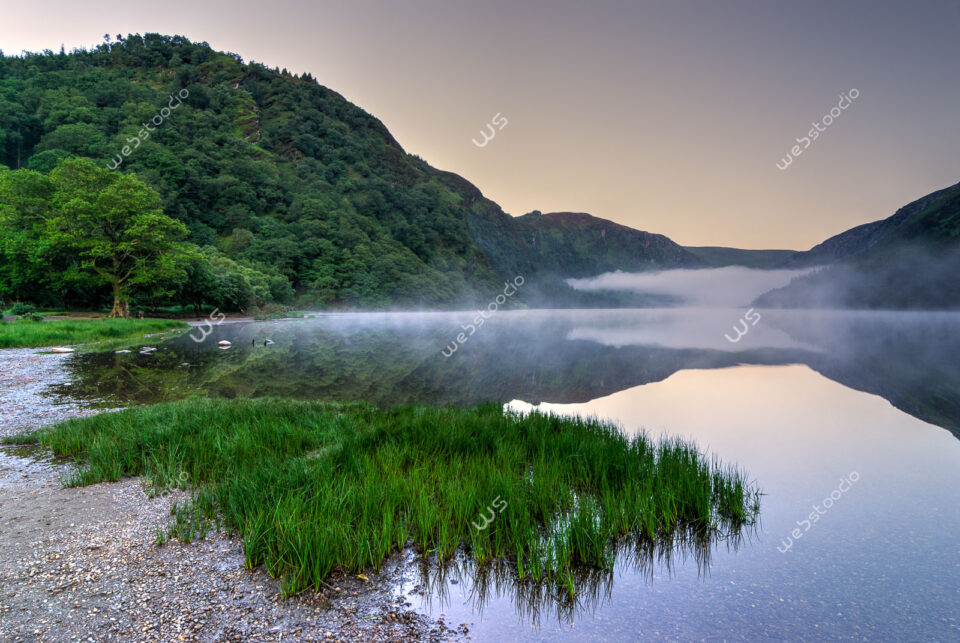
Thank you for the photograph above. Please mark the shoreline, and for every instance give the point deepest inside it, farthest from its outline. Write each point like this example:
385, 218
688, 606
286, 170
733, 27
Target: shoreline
25, 374
83, 561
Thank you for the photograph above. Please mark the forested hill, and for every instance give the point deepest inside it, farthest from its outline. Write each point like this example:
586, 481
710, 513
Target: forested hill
286, 188
910, 260
932, 221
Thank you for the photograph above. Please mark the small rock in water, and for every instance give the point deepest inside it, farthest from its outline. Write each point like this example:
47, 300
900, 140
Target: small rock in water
60, 349
224, 342
267, 342
147, 349
122, 351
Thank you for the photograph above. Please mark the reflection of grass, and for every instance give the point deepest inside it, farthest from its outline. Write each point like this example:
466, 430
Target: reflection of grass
535, 602
26, 334
314, 487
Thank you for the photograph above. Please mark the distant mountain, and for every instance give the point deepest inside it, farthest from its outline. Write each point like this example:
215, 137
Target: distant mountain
282, 181
932, 221
910, 260
573, 244
719, 257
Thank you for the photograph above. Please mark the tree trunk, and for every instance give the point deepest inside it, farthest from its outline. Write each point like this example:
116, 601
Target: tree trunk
120, 307
117, 310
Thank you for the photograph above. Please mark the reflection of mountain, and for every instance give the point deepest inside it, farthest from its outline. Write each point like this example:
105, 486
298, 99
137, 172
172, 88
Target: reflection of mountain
909, 359
389, 360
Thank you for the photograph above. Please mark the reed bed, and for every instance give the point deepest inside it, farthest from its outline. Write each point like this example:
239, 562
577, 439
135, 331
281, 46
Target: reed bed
316, 487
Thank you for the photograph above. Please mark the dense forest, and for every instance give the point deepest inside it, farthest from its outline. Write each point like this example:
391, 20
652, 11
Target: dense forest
277, 190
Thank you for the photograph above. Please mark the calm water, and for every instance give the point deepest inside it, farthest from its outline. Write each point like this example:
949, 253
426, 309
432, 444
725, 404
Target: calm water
865, 406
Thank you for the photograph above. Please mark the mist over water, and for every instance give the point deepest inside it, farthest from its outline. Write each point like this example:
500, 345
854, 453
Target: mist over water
727, 286
686, 328
805, 397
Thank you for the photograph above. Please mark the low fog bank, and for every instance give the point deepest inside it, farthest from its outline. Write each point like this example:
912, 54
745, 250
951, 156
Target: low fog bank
715, 287
715, 329
908, 278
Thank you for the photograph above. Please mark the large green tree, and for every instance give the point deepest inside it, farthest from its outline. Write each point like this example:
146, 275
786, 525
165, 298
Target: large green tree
110, 224
30, 261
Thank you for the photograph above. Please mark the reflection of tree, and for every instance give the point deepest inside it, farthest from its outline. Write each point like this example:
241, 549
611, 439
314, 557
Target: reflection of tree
388, 363
382, 365
109, 380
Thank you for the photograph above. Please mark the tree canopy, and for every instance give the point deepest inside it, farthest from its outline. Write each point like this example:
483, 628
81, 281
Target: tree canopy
290, 190
287, 186
84, 226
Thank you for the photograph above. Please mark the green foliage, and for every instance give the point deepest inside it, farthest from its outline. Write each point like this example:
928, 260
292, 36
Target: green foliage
218, 280
83, 224
273, 169
312, 487
47, 160
277, 171
26, 334
21, 308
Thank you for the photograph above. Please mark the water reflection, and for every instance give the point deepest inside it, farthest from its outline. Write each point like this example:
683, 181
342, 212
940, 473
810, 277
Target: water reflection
882, 564
785, 403
460, 583
537, 356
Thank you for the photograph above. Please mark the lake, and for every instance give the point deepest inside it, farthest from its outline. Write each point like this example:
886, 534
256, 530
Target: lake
851, 416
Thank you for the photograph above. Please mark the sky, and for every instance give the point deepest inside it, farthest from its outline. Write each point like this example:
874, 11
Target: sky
667, 116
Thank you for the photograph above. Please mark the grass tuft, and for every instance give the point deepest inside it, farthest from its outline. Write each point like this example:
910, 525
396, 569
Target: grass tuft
316, 487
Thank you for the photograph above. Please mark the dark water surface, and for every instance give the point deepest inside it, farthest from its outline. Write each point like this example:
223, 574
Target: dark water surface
863, 406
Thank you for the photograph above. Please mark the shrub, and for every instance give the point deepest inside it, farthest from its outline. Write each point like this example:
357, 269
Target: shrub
20, 309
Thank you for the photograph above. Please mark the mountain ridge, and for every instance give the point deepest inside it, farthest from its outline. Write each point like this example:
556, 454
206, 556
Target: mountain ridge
910, 260
280, 179
864, 237
276, 174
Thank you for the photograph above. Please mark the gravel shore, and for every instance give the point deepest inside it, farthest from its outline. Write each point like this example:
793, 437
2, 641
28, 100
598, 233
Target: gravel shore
83, 563
24, 374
